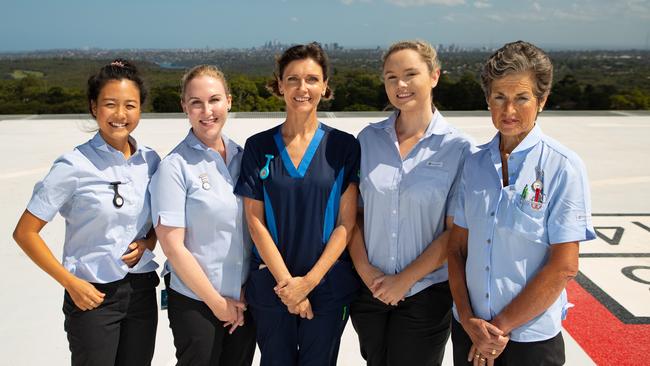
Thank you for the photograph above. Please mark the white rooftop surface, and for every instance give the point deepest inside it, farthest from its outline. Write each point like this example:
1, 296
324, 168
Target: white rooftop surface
614, 148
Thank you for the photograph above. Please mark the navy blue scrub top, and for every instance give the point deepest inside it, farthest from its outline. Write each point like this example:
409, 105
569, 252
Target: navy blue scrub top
301, 207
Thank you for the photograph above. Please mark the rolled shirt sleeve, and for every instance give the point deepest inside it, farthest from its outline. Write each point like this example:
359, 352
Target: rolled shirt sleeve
168, 194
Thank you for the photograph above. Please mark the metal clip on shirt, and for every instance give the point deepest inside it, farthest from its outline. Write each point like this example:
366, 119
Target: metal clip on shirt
118, 200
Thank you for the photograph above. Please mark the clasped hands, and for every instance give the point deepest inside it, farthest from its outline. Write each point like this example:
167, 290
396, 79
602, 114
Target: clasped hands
293, 293
389, 289
488, 341
230, 311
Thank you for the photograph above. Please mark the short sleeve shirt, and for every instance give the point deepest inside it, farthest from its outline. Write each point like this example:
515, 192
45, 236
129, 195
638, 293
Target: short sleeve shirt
193, 189
301, 205
97, 233
406, 200
511, 229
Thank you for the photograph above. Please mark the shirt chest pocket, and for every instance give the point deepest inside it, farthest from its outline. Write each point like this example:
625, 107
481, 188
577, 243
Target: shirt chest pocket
528, 219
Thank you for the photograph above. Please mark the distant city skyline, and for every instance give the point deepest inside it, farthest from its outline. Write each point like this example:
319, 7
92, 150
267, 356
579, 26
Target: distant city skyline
164, 24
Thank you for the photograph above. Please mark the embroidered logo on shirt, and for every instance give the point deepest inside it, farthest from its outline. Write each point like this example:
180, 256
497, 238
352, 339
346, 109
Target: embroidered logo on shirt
435, 164
205, 182
264, 173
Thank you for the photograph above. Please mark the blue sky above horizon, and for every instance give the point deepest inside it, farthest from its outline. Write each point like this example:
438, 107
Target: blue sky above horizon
581, 24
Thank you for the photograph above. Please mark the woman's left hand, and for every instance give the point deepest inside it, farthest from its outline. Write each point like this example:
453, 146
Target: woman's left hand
293, 290
390, 289
136, 250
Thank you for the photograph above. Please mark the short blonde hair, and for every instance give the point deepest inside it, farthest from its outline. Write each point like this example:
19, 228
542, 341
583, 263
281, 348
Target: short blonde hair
203, 70
424, 49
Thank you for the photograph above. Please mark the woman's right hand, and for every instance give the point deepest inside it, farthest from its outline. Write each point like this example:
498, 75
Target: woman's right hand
84, 295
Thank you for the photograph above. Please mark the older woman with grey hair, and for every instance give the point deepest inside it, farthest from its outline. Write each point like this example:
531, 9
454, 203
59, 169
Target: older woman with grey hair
523, 206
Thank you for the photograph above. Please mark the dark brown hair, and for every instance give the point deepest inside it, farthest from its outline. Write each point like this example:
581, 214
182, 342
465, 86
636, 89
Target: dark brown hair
312, 51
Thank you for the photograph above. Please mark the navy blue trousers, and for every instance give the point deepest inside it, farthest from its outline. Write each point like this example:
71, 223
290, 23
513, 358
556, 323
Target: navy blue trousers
287, 340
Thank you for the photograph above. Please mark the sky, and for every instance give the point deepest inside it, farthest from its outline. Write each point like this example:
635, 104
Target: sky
154, 24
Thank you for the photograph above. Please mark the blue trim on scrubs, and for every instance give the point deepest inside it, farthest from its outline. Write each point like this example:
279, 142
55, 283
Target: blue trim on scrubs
306, 159
270, 218
331, 212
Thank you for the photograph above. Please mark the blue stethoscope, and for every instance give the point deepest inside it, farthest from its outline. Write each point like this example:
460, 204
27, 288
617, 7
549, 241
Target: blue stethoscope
264, 173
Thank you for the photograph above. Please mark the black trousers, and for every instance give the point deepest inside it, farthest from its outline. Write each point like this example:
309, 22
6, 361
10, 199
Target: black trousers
543, 353
122, 330
413, 333
201, 339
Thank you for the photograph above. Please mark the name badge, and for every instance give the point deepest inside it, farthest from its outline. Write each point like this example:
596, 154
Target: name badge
205, 182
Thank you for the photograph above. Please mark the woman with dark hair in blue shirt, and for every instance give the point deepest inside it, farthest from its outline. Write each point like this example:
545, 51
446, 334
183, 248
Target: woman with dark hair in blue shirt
100, 189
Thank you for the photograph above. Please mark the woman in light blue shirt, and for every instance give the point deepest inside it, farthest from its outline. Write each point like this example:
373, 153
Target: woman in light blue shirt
100, 189
199, 222
523, 206
410, 165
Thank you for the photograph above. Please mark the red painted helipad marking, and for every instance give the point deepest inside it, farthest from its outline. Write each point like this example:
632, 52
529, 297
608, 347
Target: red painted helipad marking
607, 340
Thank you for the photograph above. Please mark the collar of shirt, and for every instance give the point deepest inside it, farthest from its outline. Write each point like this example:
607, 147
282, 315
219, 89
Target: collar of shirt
518, 155
437, 125
232, 149
98, 143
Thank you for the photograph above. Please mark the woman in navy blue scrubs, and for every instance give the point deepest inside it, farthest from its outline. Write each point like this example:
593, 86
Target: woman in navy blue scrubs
100, 189
300, 182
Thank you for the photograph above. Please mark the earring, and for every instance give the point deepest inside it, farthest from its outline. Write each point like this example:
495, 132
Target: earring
488, 108
539, 110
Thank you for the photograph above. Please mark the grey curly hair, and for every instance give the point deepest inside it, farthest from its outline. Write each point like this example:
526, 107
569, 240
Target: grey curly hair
516, 57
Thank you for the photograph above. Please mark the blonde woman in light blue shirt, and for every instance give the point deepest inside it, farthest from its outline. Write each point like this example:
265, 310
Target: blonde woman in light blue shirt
410, 165
199, 222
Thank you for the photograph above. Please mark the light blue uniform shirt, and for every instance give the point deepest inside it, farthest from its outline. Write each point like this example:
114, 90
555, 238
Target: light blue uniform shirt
97, 234
406, 201
510, 232
193, 189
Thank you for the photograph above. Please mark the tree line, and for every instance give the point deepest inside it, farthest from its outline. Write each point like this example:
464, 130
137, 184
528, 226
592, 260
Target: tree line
354, 90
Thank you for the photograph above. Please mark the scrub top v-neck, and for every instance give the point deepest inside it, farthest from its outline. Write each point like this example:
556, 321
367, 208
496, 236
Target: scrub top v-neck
301, 203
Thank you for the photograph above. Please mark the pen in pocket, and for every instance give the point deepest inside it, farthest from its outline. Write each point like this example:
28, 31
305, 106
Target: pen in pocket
524, 192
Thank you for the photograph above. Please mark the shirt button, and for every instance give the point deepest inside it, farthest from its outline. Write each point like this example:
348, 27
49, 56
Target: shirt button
392, 258
487, 295
394, 212
487, 268
394, 235
489, 241
492, 213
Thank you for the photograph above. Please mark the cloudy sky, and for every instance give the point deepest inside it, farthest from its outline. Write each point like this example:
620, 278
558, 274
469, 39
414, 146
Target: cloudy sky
583, 24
